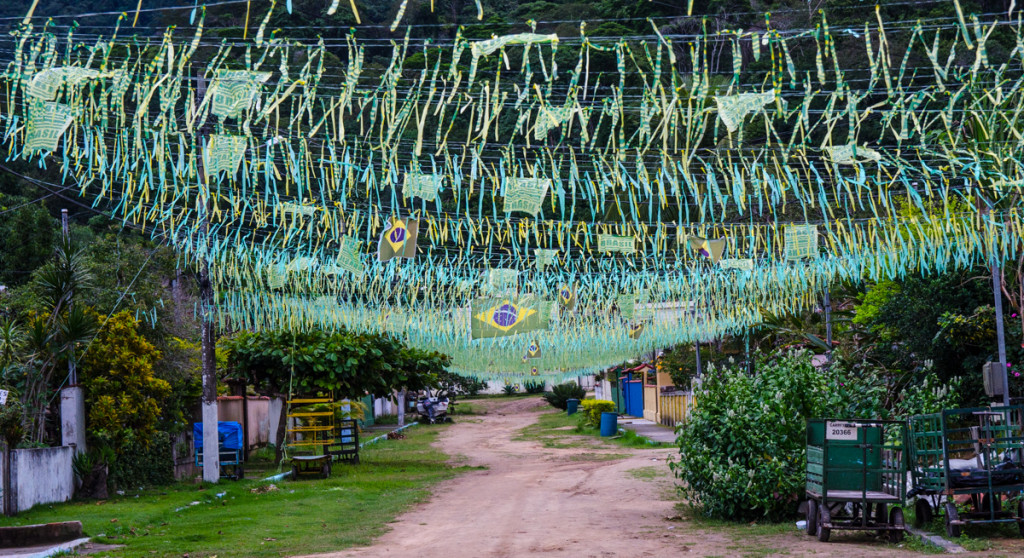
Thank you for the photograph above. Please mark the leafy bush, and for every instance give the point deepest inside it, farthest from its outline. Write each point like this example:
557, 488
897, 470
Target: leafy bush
533, 387
510, 389
141, 464
592, 409
742, 455
563, 392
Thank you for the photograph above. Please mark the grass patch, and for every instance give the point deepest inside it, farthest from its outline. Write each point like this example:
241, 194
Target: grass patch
551, 432
247, 518
590, 456
647, 473
462, 409
555, 429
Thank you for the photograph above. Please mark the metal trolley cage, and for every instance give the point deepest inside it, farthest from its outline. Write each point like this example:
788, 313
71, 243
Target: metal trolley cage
977, 451
856, 469
346, 441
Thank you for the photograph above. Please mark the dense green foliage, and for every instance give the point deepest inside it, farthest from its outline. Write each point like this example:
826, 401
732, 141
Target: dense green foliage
591, 409
742, 454
533, 387
141, 464
344, 363
563, 392
122, 395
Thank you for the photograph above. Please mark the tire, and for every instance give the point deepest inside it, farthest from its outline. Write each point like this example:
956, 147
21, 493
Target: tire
952, 531
824, 517
812, 518
896, 520
923, 513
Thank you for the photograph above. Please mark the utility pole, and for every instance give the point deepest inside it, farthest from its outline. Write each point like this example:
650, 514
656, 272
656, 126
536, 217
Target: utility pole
72, 400
997, 292
211, 440
828, 323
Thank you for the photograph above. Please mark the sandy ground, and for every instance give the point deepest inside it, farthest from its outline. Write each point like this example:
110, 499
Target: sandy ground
579, 502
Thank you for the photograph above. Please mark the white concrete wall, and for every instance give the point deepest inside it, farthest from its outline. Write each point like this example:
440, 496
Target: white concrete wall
42, 476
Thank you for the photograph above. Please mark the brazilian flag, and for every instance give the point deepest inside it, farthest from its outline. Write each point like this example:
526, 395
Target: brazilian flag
709, 248
502, 317
635, 330
567, 297
533, 351
398, 240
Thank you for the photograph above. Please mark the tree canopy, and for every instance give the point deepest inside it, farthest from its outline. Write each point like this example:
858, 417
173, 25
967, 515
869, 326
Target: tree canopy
345, 363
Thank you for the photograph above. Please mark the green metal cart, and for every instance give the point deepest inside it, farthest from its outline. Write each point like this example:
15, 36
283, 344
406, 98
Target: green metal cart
975, 452
856, 470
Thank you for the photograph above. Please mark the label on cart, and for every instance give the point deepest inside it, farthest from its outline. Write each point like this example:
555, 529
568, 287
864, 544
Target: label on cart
840, 431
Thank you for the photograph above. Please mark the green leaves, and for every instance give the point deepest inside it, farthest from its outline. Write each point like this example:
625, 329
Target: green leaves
345, 363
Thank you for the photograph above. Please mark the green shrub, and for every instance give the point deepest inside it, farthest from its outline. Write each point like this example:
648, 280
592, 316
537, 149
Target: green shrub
141, 464
591, 410
533, 387
510, 389
562, 393
743, 454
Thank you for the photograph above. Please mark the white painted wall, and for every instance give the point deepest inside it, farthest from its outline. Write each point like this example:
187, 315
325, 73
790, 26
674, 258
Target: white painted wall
42, 476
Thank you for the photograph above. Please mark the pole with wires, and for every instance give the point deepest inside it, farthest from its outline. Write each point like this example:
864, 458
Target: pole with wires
211, 441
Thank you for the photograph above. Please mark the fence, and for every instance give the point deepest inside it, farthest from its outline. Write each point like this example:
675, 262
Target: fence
675, 408
41, 476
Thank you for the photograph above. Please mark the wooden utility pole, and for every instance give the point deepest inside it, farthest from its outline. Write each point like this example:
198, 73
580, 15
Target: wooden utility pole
211, 440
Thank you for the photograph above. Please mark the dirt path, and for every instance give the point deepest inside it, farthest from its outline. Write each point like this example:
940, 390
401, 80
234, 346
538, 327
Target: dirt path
600, 501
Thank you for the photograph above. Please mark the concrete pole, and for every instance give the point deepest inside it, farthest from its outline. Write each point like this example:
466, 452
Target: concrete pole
699, 371
72, 399
997, 292
401, 407
828, 323
211, 440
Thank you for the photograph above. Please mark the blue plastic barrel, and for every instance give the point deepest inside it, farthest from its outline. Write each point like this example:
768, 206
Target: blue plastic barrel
572, 405
609, 424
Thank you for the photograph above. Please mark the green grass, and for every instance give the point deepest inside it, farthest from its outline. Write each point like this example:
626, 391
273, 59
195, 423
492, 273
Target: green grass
647, 473
351, 508
461, 408
555, 429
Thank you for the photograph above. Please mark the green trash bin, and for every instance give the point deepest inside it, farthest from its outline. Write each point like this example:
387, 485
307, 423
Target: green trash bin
572, 406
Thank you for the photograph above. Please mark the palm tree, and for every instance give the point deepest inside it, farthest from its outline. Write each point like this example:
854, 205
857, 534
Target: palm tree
54, 335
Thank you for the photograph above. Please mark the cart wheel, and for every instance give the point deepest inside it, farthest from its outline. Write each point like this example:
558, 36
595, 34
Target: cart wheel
896, 520
295, 472
824, 517
881, 517
953, 531
923, 514
325, 471
812, 518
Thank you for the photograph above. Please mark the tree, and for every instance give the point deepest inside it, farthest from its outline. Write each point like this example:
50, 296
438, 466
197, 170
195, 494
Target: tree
123, 396
54, 335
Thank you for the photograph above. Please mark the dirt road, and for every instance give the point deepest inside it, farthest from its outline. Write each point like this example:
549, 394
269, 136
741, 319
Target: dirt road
597, 500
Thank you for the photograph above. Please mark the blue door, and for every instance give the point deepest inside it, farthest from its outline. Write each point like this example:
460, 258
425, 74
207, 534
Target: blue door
633, 394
